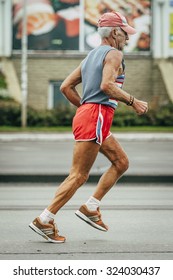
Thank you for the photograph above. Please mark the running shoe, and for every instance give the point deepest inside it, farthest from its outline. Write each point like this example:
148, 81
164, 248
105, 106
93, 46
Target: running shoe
93, 218
47, 231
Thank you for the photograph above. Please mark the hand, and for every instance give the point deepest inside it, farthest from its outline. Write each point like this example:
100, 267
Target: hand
141, 107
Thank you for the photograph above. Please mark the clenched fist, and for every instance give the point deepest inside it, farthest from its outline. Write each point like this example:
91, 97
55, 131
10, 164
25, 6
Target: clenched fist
141, 107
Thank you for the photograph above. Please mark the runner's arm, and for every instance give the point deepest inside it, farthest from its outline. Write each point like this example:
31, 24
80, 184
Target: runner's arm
110, 72
68, 87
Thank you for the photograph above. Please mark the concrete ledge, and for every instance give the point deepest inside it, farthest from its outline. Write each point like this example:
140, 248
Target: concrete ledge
67, 136
166, 69
40, 178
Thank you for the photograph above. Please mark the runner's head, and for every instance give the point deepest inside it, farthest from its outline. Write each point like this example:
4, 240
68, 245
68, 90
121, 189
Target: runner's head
114, 29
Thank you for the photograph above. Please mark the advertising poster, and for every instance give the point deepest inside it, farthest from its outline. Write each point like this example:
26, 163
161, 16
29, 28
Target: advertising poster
51, 24
55, 24
171, 25
137, 12
171, 31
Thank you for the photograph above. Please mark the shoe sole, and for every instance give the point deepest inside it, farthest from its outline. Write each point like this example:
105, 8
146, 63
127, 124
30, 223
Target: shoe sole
37, 230
88, 221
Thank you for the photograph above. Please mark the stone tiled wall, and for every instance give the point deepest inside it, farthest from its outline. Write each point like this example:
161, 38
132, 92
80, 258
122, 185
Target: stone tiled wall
143, 78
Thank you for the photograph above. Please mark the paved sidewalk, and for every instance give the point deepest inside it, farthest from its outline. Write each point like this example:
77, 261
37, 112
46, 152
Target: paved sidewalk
128, 136
38, 157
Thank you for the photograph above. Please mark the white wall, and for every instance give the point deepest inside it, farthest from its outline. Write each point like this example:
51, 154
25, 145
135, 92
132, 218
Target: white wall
160, 32
5, 28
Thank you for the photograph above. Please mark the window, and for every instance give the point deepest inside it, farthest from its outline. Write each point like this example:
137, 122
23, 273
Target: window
55, 97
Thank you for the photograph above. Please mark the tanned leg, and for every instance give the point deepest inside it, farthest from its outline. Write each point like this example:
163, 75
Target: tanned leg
114, 152
83, 158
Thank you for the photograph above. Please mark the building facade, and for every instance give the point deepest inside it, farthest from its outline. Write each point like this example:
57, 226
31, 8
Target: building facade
60, 34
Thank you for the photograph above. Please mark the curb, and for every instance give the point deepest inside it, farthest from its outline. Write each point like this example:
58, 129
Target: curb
40, 178
69, 136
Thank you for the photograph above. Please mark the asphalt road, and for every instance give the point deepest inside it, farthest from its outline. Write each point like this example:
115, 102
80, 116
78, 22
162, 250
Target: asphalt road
139, 218
139, 215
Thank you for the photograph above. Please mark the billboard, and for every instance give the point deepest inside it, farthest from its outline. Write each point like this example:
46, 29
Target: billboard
51, 24
171, 31
63, 24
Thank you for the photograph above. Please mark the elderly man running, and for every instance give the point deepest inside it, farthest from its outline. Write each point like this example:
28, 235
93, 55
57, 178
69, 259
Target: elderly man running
102, 75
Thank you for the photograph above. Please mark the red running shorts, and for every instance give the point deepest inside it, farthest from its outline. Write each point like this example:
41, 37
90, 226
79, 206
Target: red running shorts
92, 122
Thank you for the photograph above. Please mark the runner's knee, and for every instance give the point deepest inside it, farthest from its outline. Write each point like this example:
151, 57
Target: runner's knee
122, 163
125, 162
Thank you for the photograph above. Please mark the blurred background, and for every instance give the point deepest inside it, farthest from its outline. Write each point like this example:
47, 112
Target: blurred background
57, 37
41, 42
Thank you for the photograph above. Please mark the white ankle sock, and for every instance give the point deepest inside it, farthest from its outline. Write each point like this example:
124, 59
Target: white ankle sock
92, 203
46, 216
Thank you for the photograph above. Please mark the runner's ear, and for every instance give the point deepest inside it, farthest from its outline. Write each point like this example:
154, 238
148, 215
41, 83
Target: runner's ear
114, 33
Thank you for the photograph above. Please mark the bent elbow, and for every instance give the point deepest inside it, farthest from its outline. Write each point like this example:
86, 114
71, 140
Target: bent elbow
104, 87
63, 88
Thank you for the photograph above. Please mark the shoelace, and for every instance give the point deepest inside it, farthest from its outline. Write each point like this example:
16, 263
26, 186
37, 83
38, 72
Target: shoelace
55, 229
99, 214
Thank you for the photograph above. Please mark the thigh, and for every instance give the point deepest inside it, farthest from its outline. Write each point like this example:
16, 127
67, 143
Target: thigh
112, 149
84, 155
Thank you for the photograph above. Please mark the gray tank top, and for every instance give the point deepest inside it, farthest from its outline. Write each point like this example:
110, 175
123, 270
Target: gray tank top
91, 69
